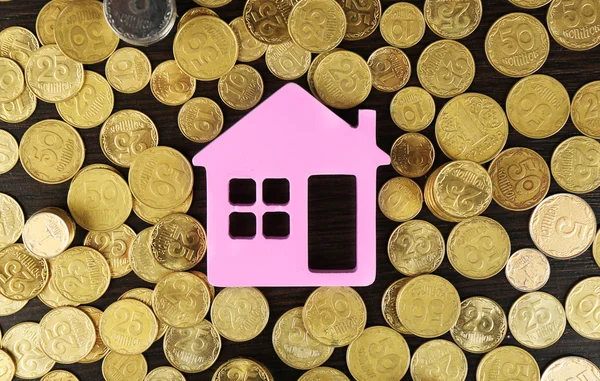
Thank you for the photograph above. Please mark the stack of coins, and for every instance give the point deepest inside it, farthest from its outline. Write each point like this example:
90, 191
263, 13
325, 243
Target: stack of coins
48, 232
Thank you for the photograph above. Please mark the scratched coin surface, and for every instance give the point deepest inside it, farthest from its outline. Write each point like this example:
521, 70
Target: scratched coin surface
141, 23
412, 155
143, 263
250, 49
128, 70
576, 164
200, 120
170, 85
390, 68
99, 350
416, 247
481, 325
181, 300
18, 43
117, 367
400, 199
22, 343
571, 368
67, 334
582, 308
412, 109
453, 20
20, 109
585, 110
527, 270
22, 275
402, 25
178, 242
500, 365
194, 349
267, 21
240, 324
575, 24
318, 25
128, 327
287, 60
114, 245
388, 306
438, 360
250, 369
12, 220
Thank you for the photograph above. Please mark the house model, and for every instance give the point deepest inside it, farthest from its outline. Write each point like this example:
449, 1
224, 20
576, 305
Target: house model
259, 176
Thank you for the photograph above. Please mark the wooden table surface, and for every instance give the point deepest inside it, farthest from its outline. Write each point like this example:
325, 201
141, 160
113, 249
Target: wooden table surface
572, 69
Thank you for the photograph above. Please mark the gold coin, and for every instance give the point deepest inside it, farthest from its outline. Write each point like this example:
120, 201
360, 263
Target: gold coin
576, 164
453, 20
193, 349
268, 21
412, 155
200, 120
11, 218
9, 307
242, 87
416, 247
125, 134
596, 249
22, 275
517, 45
164, 373
118, 367
293, 344
575, 24
481, 325
18, 43
52, 76
530, 4
12, 82
428, 306
90, 167
50, 295
582, 308
571, 368
342, 79
128, 327
82, 274
537, 320
585, 110
48, 232
323, 374
181, 300
400, 199
46, 20
287, 60
99, 350
240, 324
438, 360
527, 270
388, 306
7, 367
310, 75
86, 39
344, 320
22, 342
142, 261
20, 109
9, 151
59, 375
250, 369
153, 215
402, 25
250, 49
390, 68
178, 242
99, 200
506, 363
144, 295
205, 48
412, 109
161, 177
446, 68
204, 278
318, 25
128, 70
362, 18
478, 248
212, 3
67, 335
563, 226
520, 178
170, 85
114, 245
192, 13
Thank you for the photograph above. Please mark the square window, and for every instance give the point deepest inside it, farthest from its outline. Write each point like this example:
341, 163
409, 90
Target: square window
242, 225
276, 225
276, 191
242, 191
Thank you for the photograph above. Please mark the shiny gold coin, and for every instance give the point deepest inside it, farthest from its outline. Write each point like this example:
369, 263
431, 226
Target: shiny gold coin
362, 19
82, 274
478, 248
144, 295
402, 25
576, 164
388, 306
527, 270
428, 306
563, 226
164, 373
205, 48
537, 320
11, 218
250, 369
204, 278
18, 43
582, 308
153, 215
67, 335
48, 232
142, 261
22, 343
502, 363
242, 87
192, 13
200, 120
585, 110
46, 20
86, 39
178, 242
12, 82
318, 25
212, 3
7, 366
520, 178
323, 374
412, 155
310, 75
390, 68
453, 20
59, 375
240, 324
438, 360
22, 275
161, 177
342, 79
99, 350
128, 327
446, 68
530, 4
114, 245
571, 368
9, 307
170, 85
400, 199
481, 325
293, 344
20, 109
50, 295
181, 300
287, 60
268, 21
90, 167
596, 249
412, 109
9, 151
128, 70
118, 367
193, 349
250, 49
416, 247
517, 45
575, 24
99, 200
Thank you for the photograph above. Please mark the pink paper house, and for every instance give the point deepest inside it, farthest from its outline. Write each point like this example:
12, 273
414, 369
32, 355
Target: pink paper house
288, 139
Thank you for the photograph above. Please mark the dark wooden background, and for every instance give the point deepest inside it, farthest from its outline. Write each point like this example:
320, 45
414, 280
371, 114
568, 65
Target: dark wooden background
573, 69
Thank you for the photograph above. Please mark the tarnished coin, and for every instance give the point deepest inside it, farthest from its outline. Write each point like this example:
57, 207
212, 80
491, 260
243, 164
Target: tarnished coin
59, 375
12, 219
181, 300
22, 275
400, 199
362, 19
128, 70
164, 373
22, 342
99, 350
50, 295
388, 306
242, 87
571, 368
7, 366
193, 349
527, 270
318, 25
323, 373
438, 360
9, 306
114, 245
575, 24
9, 151
48, 232
170, 85
412, 109
500, 365
446, 68
530, 4
390, 68
46, 20
128, 327
252, 371
18, 43
250, 49
12, 83
20, 109
481, 325
144, 295
412, 155
287, 60
402, 25
240, 323
141, 23
178, 242
267, 21
537, 320
416, 247
453, 20
585, 110
67, 335
153, 215
520, 178
293, 344
192, 13
118, 367
576, 164
200, 120
582, 308
563, 226
142, 261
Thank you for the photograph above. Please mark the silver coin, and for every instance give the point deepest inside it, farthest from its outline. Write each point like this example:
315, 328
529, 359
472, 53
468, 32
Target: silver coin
141, 22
